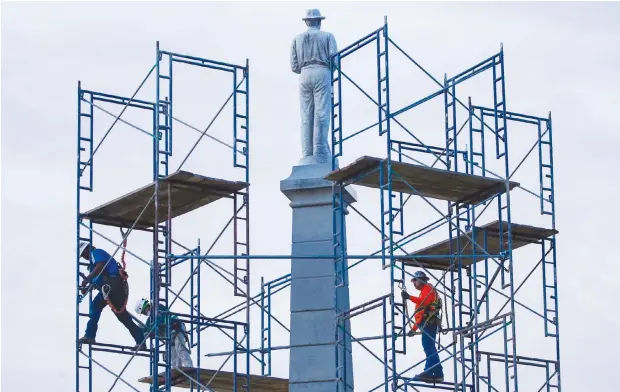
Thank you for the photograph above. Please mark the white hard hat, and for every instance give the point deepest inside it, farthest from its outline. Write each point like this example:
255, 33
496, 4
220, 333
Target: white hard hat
83, 246
142, 305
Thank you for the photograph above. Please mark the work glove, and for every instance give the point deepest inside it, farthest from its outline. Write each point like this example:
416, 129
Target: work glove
405, 295
411, 333
84, 286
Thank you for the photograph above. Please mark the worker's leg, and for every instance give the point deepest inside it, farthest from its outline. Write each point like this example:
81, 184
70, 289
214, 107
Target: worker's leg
306, 98
136, 332
96, 307
432, 366
322, 111
180, 354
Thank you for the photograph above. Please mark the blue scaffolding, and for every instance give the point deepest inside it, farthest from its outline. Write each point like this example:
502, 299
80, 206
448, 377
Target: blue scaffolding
465, 259
151, 209
472, 267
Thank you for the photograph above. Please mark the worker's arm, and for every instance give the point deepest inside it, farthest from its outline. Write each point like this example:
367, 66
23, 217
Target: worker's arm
416, 300
98, 268
425, 297
294, 60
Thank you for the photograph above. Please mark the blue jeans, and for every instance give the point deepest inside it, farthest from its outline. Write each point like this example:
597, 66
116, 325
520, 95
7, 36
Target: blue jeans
97, 307
429, 333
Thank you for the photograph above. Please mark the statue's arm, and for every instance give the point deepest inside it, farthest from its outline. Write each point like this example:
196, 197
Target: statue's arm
333, 49
294, 60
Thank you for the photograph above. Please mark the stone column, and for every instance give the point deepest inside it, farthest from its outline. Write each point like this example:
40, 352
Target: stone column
313, 285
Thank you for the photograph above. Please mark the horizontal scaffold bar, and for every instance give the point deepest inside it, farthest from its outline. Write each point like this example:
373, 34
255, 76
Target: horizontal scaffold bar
350, 257
519, 357
476, 69
207, 321
360, 43
117, 99
200, 61
119, 349
526, 118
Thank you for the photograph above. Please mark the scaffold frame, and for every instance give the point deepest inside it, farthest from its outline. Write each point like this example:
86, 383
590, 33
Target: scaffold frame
471, 267
152, 209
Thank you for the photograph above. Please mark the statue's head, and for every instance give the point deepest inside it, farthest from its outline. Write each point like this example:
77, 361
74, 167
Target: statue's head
313, 18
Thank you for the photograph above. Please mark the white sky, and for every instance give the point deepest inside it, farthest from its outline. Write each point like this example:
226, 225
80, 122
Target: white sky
560, 57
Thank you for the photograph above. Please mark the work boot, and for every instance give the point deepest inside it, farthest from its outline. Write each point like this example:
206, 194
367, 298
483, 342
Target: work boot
86, 340
140, 346
425, 377
438, 377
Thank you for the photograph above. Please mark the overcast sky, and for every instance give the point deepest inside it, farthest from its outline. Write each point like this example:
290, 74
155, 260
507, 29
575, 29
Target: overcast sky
560, 57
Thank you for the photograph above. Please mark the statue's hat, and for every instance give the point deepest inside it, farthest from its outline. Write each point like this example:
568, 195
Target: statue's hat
312, 14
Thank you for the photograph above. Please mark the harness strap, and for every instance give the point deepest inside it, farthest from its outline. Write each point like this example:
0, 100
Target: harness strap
431, 310
123, 275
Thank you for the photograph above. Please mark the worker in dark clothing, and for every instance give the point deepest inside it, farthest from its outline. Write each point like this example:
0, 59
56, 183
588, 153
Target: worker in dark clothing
426, 318
110, 279
180, 352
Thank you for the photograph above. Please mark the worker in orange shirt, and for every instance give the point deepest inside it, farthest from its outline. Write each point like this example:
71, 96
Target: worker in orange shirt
426, 318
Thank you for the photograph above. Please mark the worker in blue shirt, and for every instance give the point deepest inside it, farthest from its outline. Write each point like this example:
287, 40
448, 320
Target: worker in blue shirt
111, 280
180, 352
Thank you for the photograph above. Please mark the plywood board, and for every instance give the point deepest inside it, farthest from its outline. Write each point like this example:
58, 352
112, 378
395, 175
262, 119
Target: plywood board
421, 180
223, 381
521, 235
187, 192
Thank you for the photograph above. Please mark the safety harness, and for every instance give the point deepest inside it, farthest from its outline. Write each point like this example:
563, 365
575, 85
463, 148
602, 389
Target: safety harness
107, 289
432, 311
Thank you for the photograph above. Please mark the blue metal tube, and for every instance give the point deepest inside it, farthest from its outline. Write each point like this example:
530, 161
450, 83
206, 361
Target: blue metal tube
247, 137
170, 114
336, 117
473, 73
514, 116
408, 146
415, 62
155, 266
119, 100
235, 360
269, 330
399, 375
289, 257
554, 259
262, 326
138, 106
454, 134
381, 120
177, 56
360, 43
234, 120
482, 64
417, 103
281, 279
77, 242
198, 64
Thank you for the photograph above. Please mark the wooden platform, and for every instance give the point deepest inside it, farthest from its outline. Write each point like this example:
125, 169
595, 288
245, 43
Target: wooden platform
429, 182
521, 235
188, 192
223, 381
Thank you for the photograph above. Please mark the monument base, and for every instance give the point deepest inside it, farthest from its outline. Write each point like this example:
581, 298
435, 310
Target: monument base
313, 285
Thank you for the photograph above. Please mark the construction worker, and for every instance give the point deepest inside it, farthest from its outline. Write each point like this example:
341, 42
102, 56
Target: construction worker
180, 352
311, 58
426, 318
107, 276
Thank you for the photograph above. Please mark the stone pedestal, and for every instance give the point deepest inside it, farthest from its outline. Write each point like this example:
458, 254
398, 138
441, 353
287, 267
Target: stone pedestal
313, 285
